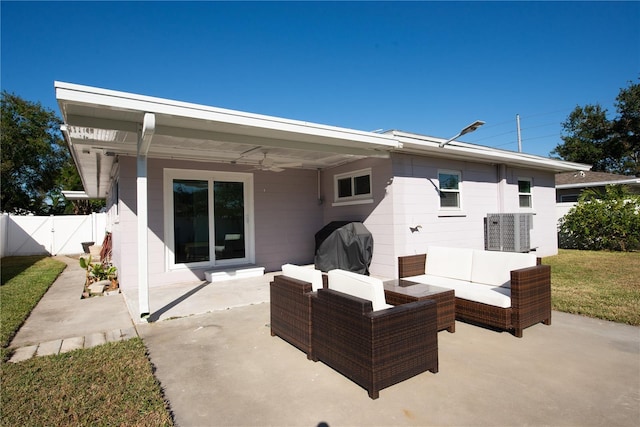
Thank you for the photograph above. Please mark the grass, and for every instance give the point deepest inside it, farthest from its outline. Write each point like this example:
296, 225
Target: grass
108, 385
111, 384
603, 285
23, 281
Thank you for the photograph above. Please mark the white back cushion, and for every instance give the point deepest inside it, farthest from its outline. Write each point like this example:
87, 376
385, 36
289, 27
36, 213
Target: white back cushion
360, 286
494, 268
306, 274
454, 263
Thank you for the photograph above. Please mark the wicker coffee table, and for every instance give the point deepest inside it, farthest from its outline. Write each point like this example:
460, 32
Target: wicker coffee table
401, 291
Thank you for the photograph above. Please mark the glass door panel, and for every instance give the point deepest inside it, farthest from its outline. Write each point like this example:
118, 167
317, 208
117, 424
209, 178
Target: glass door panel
228, 210
191, 220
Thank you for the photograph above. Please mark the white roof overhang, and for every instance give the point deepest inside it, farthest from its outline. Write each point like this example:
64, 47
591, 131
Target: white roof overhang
631, 181
101, 124
430, 146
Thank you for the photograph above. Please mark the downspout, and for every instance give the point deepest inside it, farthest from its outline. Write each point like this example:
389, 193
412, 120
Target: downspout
502, 185
145, 134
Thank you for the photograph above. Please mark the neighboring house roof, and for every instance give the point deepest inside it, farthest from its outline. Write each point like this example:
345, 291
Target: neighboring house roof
585, 179
101, 124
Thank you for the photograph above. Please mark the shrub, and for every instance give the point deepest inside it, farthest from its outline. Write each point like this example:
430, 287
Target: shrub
609, 221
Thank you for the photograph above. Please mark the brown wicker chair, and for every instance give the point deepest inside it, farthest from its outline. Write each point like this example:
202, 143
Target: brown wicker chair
374, 349
530, 298
291, 311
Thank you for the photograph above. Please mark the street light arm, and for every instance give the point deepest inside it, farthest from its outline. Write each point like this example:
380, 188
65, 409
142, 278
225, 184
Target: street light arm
472, 127
442, 144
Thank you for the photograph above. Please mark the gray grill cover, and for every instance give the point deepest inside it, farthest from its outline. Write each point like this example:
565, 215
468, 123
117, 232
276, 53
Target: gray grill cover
347, 246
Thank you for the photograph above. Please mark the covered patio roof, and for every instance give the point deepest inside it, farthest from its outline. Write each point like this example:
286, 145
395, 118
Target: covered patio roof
100, 124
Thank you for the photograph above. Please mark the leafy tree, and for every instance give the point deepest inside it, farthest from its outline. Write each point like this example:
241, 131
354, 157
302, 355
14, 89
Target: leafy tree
32, 154
609, 221
626, 140
36, 164
610, 145
586, 134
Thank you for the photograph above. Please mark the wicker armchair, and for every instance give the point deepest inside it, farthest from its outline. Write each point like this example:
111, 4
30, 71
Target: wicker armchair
374, 349
291, 305
291, 311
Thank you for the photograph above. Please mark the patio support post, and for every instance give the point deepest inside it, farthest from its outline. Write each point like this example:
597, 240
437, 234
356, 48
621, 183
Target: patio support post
145, 134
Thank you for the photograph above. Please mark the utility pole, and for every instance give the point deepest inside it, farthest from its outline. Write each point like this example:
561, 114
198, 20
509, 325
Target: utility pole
519, 135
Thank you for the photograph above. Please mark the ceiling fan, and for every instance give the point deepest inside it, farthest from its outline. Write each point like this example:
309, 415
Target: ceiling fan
267, 164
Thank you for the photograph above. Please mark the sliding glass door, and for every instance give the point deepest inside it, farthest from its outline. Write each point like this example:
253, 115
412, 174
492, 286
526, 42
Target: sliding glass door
207, 218
228, 220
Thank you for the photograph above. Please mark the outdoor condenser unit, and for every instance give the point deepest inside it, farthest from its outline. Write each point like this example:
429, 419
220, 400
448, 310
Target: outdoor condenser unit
508, 232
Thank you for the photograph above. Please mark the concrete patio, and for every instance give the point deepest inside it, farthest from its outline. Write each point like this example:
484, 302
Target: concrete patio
218, 365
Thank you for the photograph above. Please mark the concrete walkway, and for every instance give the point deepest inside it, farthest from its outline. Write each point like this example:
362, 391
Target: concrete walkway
63, 321
222, 367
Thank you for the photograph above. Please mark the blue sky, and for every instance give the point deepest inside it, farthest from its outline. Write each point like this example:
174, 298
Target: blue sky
424, 67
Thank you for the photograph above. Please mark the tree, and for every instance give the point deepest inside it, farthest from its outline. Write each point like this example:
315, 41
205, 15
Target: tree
603, 222
36, 164
610, 145
626, 140
32, 154
586, 134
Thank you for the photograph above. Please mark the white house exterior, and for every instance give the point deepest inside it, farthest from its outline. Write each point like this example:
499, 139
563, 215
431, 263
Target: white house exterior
192, 188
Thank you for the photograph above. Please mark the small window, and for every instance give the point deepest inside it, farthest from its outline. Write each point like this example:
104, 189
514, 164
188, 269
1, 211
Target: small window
569, 198
449, 186
524, 192
353, 186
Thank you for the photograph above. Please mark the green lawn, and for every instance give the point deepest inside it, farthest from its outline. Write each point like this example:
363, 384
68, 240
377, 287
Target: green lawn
107, 385
23, 281
604, 285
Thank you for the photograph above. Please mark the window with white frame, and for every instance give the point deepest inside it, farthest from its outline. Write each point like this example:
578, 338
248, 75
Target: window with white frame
352, 186
524, 192
449, 186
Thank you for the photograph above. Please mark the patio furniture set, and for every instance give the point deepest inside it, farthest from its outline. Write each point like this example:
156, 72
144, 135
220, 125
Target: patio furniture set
381, 333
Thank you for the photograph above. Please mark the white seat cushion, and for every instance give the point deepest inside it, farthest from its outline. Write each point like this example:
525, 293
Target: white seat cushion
494, 268
305, 274
360, 286
454, 263
491, 295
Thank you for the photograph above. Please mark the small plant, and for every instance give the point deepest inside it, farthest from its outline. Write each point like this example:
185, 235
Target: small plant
99, 271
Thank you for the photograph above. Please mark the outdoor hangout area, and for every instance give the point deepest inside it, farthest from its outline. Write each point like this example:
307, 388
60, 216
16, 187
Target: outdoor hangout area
213, 352
379, 333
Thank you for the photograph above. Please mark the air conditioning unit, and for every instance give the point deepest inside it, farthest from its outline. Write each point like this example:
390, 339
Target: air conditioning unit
508, 232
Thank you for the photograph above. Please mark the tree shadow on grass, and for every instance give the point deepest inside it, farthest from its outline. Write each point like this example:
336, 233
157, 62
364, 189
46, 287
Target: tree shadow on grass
13, 266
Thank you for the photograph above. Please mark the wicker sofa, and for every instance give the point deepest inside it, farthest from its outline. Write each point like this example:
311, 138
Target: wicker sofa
503, 290
373, 344
290, 303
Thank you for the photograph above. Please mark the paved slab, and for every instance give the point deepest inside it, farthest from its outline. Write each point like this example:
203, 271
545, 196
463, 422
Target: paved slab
92, 340
48, 348
224, 368
188, 299
24, 353
70, 344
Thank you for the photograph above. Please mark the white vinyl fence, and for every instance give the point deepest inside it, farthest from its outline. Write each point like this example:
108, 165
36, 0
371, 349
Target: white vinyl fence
562, 208
49, 235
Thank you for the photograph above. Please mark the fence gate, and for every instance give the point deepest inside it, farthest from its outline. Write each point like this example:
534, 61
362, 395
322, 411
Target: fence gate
51, 235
